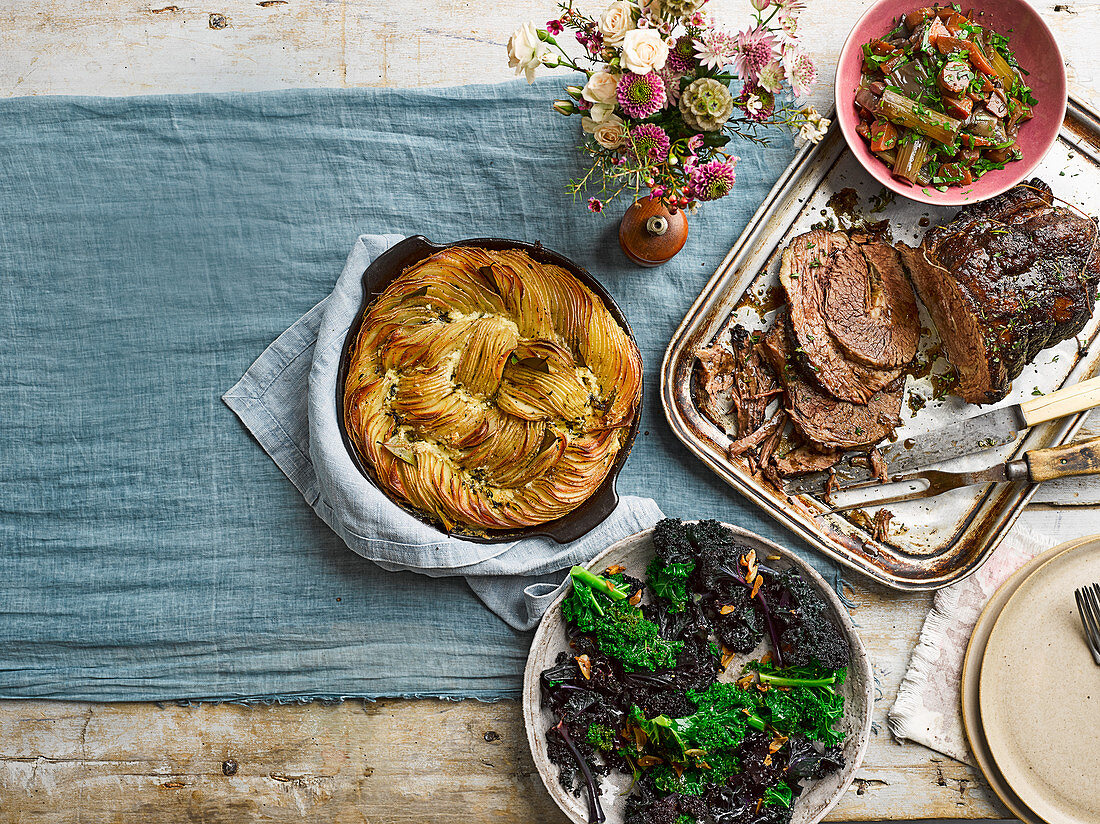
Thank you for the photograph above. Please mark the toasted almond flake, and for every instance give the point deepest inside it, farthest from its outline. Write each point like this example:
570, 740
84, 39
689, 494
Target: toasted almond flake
635, 598
649, 761
745, 680
678, 770
756, 585
777, 743
727, 657
768, 760
727, 609
614, 570
774, 558
585, 663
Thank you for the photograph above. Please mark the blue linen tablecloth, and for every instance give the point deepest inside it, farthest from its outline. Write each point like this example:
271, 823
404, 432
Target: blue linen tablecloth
150, 249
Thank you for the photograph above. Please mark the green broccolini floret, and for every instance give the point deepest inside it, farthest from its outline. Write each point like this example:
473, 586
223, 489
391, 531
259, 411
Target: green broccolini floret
625, 635
599, 605
601, 736
716, 729
803, 701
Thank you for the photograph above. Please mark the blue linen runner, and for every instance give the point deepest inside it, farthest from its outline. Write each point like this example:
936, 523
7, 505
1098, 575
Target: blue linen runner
150, 249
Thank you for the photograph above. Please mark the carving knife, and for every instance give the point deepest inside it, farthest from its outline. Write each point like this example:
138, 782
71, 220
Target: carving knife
1036, 466
981, 432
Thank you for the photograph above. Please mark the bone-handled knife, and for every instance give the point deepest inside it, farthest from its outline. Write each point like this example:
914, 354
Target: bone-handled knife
1036, 466
954, 440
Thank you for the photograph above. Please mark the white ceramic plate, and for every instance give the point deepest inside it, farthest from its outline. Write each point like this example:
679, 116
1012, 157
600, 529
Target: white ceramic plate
971, 672
1039, 692
634, 553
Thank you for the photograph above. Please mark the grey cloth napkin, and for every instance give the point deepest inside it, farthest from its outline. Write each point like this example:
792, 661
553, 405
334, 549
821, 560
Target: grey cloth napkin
287, 399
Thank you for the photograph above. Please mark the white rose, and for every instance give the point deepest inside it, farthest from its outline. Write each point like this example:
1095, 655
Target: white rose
601, 111
609, 132
602, 87
644, 51
525, 51
616, 21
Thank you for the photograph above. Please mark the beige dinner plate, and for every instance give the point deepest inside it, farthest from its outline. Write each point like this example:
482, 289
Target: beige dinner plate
972, 663
1039, 692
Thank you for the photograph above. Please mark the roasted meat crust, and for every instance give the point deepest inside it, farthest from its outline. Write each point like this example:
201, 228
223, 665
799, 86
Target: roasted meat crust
1004, 280
490, 391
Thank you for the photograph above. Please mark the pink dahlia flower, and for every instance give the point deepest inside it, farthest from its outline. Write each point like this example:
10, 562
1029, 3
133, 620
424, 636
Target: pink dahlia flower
681, 57
753, 51
650, 143
713, 180
641, 95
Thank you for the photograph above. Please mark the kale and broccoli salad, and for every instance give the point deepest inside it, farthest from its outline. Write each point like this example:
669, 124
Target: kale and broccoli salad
638, 691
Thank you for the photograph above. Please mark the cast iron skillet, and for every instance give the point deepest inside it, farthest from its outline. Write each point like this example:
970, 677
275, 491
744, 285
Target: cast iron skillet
381, 274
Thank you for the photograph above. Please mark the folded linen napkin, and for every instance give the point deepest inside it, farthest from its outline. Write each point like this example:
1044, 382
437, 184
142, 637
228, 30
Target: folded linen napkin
928, 708
287, 399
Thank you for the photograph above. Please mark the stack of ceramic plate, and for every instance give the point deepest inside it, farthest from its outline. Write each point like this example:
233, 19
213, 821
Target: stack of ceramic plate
1031, 691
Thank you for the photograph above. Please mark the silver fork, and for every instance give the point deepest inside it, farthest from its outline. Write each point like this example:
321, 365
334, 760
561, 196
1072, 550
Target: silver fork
1088, 605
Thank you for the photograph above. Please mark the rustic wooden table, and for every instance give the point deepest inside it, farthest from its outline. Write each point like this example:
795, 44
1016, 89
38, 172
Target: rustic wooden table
393, 761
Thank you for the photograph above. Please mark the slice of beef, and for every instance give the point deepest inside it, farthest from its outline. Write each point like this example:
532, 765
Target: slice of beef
870, 307
1004, 280
803, 459
717, 384
734, 386
826, 421
803, 273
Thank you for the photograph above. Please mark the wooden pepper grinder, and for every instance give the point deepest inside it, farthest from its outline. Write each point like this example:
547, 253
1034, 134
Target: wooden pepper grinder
650, 234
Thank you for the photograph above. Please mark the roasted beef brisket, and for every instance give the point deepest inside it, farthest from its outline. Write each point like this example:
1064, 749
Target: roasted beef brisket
826, 421
870, 307
1004, 280
852, 312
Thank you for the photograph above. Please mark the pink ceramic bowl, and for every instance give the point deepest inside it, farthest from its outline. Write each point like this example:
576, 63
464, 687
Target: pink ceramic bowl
1036, 51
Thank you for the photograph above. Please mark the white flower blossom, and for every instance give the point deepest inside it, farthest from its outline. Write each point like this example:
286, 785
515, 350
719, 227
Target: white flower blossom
616, 20
609, 132
644, 51
602, 87
526, 51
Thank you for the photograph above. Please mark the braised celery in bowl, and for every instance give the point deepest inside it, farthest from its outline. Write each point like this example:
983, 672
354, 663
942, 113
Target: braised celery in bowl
942, 98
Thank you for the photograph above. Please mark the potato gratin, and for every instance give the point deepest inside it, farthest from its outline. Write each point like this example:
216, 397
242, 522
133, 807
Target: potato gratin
490, 391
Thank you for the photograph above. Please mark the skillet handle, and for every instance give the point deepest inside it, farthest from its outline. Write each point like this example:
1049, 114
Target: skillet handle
1064, 461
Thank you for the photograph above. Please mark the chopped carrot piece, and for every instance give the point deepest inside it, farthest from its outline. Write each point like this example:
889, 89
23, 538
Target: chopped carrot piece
958, 107
979, 61
947, 45
883, 136
915, 18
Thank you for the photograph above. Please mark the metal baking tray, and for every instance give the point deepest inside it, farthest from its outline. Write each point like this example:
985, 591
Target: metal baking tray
932, 542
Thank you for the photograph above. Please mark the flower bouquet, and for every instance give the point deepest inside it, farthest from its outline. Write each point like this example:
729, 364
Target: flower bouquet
666, 91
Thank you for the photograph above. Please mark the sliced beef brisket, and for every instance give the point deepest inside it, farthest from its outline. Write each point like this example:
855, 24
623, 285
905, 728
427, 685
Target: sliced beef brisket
826, 421
805, 274
1004, 280
870, 307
